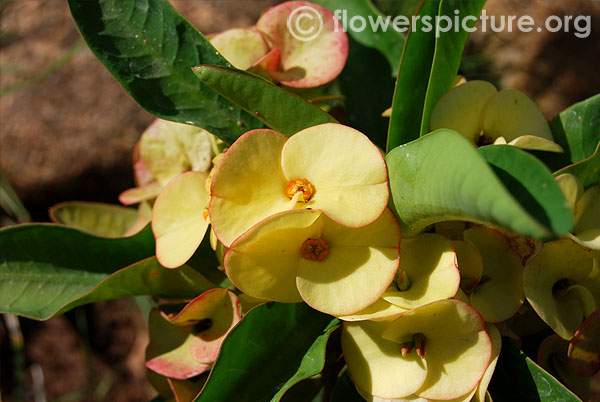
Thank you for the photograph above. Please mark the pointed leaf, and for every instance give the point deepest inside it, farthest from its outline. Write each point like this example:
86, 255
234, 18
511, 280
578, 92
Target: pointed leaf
442, 177
428, 68
60, 263
149, 48
271, 346
277, 108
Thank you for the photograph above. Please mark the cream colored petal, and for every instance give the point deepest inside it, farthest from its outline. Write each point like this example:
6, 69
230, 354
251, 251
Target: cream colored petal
496, 339
531, 142
263, 262
560, 264
587, 218
241, 47
222, 308
440, 319
318, 52
511, 114
379, 309
455, 364
168, 149
429, 262
376, 365
469, 263
248, 184
178, 221
348, 280
571, 187
347, 171
499, 294
461, 109
457, 349
168, 353
360, 266
136, 195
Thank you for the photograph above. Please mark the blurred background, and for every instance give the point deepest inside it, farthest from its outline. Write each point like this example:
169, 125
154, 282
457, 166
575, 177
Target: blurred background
67, 132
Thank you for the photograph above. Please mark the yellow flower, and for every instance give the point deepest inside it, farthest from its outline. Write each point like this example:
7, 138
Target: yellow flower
329, 167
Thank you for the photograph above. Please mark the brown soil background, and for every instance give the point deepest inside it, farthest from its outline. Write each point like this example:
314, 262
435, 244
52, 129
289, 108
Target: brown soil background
71, 135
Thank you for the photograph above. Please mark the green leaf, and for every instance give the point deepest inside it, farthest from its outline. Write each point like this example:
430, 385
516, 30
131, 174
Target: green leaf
428, 68
279, 109
587, 170
146, 277
368, 88
96, 218
532, 184
344, 389
44, 267
442, 177
386, 39
313, 361
150, 49
577, 129
10, 202
272, 346
517, 374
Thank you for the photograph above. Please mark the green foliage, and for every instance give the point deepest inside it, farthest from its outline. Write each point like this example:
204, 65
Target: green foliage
368, 88
442, 177
275, 346
45, 267
428, 69
388, 42
577, 129
279, 109
517, 374
532, 184
587, 170
150, 49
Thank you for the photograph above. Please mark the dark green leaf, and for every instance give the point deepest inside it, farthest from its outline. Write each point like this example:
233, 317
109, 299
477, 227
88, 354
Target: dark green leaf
518, 375
428, 68
532, 184
442, 177
272, 345
368, 88
313, 361
386, 39
44, 267
150, 49
279, 109
587, 170
344, 390
577, 129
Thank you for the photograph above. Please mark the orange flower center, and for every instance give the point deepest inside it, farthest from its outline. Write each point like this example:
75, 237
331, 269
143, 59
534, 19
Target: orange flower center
314, 249
302, 186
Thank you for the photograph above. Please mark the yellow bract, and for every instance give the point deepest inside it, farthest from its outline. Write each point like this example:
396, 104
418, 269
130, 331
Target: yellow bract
457, 351
485, 116
347, 174
560, 287
267, 262
429, 263
178, 220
